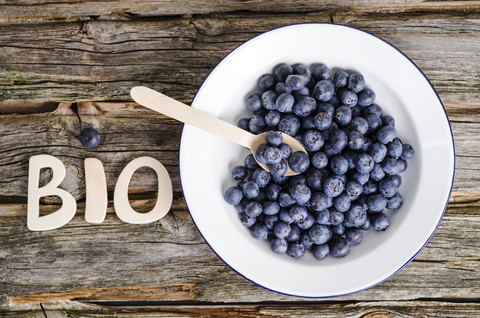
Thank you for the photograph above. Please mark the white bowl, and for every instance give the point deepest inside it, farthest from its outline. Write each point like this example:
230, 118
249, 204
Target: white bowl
402, 91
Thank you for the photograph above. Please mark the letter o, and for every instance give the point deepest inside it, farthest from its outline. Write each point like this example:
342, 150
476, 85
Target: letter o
124, 210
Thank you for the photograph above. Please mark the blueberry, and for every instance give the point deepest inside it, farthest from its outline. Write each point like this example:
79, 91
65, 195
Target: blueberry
323, 217
368, 224
394, 202
89, 137
295, 250
373, 109
289, 124
378, 152
356, 111
353, 189
338, 164
259, 231
361, 178
380, 221
397, 179
354, 235
272, 118
233, 195
239, 172
367, 142
285, 200
307, 223
333, 186
270, 207
284, 216
294, 235
359, 124
253, 209
304, 106
386, 134
356, 82
338, 229
247, 220
364, 163
366, 97
295, 82
250, 163
272, 155
339, 139
243, 203
402, 165
377, 173
388, 120
395, 148
319, 160
282, 71
254, 102
348, 98
320, 233
250, 190
296, 180
339, 246
390, 166
326, 108
336, 217
376, 203
355, 140
285, 150
356, 216
256, 124
260, 153
307, 122
320, 251
374, 122
312, 140
279, 169
266, 82
321, 72
370, 187
298, 213
269, 99
407, 152
387, 187
243, 123
281, 88
302, 69
301, 92
284, 103
306, 240
320, 201
261, 177
322, 120
342, 203
301, 193
340, 78
282, 230
351, 157
323, 90
299, 161
343, 115
272, 191
278, 245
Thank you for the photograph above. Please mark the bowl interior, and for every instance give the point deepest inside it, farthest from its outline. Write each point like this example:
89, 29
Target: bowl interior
402, 91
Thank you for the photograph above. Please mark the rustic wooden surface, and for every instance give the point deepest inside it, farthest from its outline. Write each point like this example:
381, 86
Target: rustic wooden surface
65, 65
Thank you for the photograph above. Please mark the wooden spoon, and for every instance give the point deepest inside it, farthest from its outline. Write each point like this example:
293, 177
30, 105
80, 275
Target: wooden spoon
168, 106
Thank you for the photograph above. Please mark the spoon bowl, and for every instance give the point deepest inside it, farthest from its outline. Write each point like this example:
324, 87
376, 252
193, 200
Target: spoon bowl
177, 110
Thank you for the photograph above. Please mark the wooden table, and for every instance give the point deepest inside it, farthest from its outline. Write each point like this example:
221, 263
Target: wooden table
66, 65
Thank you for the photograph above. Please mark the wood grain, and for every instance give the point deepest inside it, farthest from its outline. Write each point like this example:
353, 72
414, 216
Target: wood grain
66, 65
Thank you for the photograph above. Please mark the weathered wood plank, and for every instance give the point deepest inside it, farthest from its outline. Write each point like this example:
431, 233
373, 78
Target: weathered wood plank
47, 11
57, 133
103, 59
169, 260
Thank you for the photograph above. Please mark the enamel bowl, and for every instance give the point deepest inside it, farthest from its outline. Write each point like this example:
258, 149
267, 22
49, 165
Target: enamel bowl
402, 90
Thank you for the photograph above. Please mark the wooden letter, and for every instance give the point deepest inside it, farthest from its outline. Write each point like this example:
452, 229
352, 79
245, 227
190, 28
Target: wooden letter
164, 197
62, 216
96, 191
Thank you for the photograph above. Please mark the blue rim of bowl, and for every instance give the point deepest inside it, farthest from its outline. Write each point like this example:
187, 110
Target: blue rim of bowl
444, 209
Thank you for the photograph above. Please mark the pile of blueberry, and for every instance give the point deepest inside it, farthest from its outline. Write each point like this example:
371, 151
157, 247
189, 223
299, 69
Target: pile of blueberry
348, 177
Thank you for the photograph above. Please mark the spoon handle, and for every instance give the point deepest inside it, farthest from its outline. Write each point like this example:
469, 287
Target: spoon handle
168, 106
